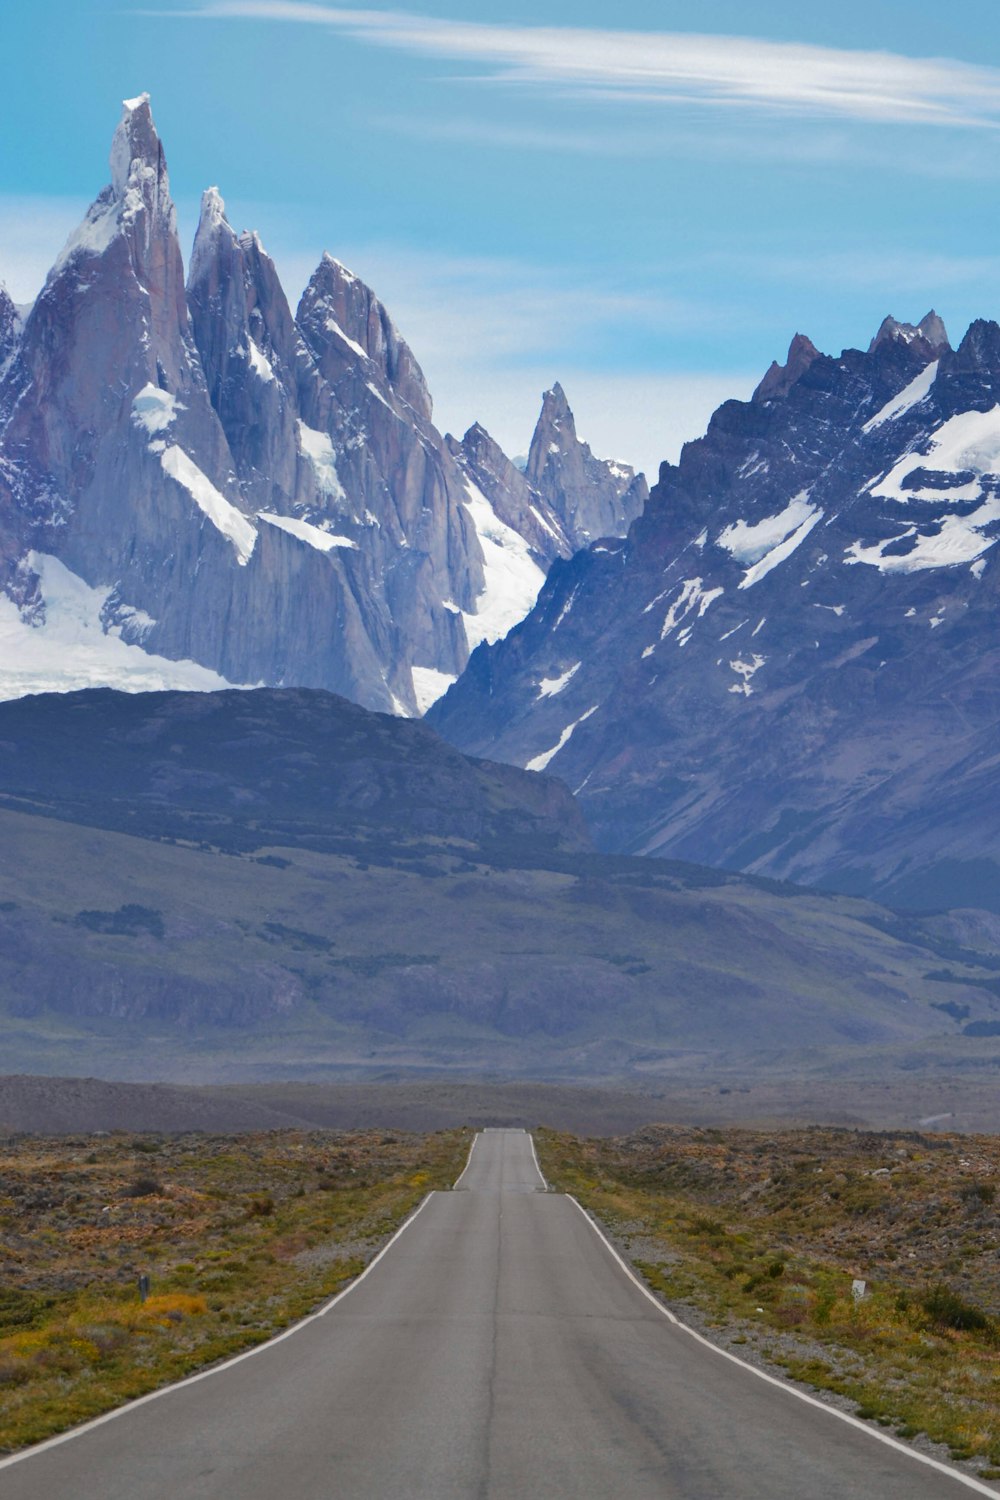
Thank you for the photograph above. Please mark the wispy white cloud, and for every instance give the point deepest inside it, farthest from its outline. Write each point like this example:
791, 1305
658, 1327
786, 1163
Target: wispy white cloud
468, 130
726, 72
765, 138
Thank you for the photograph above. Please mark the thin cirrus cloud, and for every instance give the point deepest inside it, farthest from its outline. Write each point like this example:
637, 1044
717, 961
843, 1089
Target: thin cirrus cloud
671, 67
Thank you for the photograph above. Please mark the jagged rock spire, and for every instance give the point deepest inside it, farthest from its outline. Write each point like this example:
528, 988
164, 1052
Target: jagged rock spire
249, 349
592, 497
555, 431
507, 489
930, 330
136, 150
979, 351
340, 316
780, 378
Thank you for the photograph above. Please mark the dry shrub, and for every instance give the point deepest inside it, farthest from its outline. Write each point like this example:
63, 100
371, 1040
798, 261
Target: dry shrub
13, 1371
142, 1187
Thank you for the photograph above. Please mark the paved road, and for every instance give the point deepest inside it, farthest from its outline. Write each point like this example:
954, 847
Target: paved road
497, 1352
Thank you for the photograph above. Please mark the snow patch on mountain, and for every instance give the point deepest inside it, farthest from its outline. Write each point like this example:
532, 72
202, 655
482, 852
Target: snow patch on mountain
550, 686
66, 647
956, 540
693, 596
911, 395
260, 364
967, 444
778, 554
305, 531
318, 448
154, 410
540, 762
334, 327
513, 578
232, 523
429, 685
92, 237
764, 544
746, 670
749, 541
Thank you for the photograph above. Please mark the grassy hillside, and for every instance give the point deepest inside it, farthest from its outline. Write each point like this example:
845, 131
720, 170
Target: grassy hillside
248, 885
129, 958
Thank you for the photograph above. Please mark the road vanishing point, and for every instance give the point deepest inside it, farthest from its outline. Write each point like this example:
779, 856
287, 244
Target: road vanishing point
497, 1350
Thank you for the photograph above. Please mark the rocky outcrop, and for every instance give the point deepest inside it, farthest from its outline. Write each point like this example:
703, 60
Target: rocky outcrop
354, 322
788, 666
592, 497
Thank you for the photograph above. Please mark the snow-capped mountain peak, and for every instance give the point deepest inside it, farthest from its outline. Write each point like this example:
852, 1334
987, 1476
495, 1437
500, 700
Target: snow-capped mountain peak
787, 665
226, 484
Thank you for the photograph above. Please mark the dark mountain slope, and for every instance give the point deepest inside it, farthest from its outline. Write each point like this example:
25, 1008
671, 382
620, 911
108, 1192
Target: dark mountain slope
790, 665
283, 884
243, 768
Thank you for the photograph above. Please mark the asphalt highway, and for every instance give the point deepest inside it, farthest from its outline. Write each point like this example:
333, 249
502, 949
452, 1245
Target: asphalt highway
497, 1351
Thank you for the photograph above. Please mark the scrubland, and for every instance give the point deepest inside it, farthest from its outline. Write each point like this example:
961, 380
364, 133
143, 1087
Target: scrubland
759, 1238
239, 1236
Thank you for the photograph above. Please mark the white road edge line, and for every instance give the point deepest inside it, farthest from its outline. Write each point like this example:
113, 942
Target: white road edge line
782, 1385
534, 1156
468, 1164
227, 1364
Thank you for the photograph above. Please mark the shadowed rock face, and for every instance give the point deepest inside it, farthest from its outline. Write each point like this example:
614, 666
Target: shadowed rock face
790, 664
249, 350
262, 494
593, 497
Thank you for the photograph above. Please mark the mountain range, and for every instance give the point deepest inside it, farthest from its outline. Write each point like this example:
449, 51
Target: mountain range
198, 488
773, 678
790, 665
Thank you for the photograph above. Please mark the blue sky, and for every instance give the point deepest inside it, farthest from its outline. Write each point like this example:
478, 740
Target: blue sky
646, 209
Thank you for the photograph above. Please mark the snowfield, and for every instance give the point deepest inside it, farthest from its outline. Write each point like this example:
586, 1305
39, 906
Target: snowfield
70, 649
